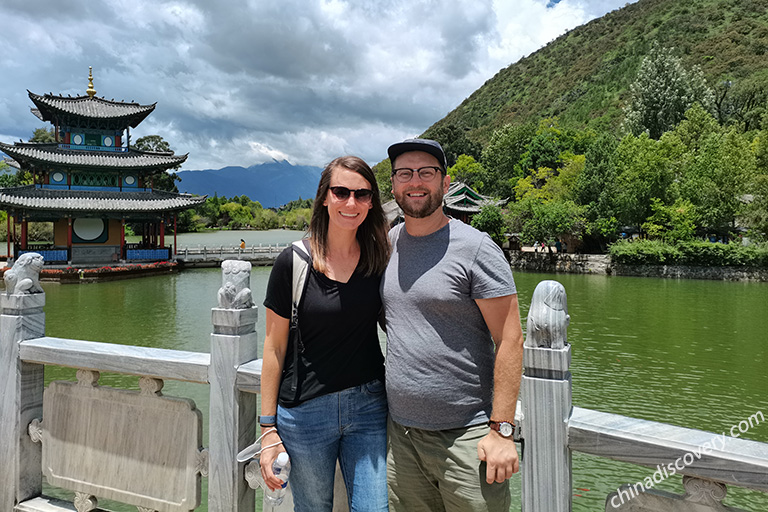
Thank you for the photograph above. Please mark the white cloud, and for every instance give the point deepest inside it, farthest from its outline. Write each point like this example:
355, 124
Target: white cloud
242, 83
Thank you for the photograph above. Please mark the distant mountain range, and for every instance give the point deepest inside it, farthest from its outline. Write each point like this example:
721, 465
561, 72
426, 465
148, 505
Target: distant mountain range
272, 184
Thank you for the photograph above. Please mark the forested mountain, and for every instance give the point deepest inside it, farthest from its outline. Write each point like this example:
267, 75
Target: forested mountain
650, 121
583, 77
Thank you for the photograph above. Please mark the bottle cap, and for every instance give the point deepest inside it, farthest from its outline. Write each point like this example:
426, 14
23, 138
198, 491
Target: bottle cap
282, 459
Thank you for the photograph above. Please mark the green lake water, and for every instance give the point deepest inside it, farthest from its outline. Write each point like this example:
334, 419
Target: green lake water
686, 352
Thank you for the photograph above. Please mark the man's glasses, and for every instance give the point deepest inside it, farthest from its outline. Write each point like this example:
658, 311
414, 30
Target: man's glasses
404, 174
362, 195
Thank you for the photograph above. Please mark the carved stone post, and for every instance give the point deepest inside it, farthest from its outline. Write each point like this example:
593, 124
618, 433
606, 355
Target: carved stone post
21, 384
233, 415
546, 399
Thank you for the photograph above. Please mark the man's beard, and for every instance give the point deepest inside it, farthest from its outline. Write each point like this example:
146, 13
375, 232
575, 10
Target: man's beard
434, 200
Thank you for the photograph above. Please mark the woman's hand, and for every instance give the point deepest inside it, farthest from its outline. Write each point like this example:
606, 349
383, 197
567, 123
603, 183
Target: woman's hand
267, 457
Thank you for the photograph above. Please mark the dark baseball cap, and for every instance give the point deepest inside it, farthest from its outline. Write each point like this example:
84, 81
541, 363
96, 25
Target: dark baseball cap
428, 146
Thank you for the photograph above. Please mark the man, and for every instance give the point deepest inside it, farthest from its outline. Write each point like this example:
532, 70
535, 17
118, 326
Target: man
454, 349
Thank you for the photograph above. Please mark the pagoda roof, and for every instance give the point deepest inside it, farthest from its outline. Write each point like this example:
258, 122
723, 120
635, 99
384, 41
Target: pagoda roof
37, 153
461, 197
120, 113
31, 198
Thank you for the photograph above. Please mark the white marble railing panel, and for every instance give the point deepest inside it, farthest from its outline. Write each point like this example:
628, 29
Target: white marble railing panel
138, 448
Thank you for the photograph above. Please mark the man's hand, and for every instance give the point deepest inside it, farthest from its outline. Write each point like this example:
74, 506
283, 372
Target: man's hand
500, 456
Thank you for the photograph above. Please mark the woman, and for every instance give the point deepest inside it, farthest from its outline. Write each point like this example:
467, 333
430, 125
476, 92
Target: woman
338, 409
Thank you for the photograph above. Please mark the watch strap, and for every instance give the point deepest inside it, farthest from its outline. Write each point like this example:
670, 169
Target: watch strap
267, 421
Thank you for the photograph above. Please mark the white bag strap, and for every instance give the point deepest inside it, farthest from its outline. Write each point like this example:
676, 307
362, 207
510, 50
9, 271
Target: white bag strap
300, 267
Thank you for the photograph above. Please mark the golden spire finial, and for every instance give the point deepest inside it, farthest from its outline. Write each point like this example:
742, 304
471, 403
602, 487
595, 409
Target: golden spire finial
90, 91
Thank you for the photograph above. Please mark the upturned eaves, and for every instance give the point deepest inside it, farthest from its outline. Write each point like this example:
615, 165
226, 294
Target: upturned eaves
38, 154
50, 107
32, 198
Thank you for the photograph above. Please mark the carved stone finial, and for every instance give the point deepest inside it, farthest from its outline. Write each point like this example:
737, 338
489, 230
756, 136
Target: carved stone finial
87, 378
548, 316
704, 492
24, 276
150, 386
202, 462
85, 502
90, 91
35, 430
253, 474
235, 291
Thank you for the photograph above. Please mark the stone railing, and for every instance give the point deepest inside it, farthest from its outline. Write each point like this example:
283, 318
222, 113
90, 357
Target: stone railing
136, 447
213, 255
146, 449
552, 429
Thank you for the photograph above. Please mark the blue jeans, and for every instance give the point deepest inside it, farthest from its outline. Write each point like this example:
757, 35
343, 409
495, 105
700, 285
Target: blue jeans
351, 426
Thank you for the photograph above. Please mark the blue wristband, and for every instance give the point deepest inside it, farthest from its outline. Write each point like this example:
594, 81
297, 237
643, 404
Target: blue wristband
267, 420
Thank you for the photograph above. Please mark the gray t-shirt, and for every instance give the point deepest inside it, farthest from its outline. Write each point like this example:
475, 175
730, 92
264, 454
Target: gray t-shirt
440, 355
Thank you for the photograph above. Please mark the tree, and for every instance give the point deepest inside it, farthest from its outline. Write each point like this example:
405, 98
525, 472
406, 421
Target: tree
383, 171
454, 141
235, 215
467, 171
545, 221
8, 178
595, 189
662, 92
743, 101
675, 223
716, 178
491, 220
155, 143
43, 135
644, 171
501, 157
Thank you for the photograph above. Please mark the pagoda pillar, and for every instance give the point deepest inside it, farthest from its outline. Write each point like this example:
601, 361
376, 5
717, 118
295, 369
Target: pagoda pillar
8, 234
174, 234
162, 232
24, 233
122, 238
69, 238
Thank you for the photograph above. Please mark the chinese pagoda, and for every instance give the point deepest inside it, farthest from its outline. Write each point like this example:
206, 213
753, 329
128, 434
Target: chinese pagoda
89, 182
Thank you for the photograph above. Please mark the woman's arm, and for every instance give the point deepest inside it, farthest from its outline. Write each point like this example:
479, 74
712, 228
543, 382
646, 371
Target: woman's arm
275, 346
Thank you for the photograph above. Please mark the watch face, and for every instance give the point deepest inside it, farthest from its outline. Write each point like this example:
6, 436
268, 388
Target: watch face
505, 429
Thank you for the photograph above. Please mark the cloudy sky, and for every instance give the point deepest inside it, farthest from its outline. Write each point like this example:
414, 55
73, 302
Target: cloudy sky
243, 82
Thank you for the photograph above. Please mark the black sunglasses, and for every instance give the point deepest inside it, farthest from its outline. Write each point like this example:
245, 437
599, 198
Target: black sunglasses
363, 195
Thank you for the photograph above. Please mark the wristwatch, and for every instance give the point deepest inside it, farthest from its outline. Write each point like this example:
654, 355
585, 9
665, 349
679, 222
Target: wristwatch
505, 428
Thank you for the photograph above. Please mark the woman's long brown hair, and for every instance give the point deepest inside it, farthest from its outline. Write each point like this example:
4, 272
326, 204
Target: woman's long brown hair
372, 233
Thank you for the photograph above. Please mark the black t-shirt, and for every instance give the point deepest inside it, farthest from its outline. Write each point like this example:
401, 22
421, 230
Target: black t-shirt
337, 322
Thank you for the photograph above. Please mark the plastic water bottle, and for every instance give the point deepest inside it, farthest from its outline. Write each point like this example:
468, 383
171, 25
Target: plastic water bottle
281, 469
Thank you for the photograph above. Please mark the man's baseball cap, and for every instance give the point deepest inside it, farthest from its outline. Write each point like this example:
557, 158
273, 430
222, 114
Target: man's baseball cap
428, 146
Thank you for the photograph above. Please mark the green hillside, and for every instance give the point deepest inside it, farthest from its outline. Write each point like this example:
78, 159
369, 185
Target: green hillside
583, 77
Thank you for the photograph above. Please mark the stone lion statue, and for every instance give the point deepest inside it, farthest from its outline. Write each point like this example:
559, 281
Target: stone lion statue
548, 316
24, 276
235, 291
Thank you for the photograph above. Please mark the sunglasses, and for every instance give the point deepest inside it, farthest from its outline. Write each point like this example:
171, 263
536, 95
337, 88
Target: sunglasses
362, 195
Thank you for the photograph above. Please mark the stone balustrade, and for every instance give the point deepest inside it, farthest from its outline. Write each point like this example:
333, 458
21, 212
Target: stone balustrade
146, 449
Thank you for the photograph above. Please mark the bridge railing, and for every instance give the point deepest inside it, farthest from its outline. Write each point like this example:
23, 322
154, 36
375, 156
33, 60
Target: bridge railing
552, 429
134, 447
217, 253
146, 449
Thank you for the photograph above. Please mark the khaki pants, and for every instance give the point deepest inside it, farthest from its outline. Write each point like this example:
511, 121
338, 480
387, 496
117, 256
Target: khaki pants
434, 471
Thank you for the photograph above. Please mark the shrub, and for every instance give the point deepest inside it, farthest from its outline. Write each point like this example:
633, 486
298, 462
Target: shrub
693, 253
644, 252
